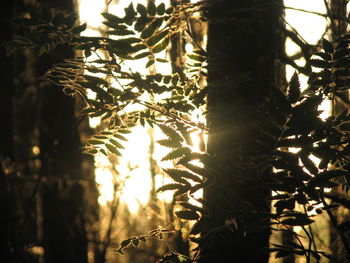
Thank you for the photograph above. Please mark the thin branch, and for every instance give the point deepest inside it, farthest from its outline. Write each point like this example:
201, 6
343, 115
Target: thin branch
335, 225
306, 11
329, 14
285, 59
297, 38
308, 254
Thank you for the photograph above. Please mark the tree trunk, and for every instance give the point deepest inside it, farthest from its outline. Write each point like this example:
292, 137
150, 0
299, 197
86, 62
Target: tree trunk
338, 12
6, 135
64, 235
48, 195
242, 42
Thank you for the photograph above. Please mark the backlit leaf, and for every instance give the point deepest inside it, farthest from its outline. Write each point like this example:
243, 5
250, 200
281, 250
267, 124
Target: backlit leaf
187, 215
151, 7
161, 9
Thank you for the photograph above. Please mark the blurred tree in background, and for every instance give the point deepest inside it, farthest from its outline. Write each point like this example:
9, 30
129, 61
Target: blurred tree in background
263, 133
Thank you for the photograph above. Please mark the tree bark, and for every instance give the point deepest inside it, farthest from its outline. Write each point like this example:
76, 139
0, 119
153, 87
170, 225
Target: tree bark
6, 134
49, 198
64, 235
338, 12
242, 43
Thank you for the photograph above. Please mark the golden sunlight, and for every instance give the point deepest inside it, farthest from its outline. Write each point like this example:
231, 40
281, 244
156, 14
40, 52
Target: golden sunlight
133, 167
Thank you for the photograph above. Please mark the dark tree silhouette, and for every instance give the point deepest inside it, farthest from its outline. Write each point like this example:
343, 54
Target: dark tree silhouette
43, 207
242, 43
6, 134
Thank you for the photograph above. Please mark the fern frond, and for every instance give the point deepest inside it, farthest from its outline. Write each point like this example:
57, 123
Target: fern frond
169, 187
171, 133
177, 153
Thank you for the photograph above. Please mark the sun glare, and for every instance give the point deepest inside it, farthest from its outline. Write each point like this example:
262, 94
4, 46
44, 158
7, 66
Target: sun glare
133, 167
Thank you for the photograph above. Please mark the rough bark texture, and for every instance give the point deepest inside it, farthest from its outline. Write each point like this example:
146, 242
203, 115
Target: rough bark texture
242, 39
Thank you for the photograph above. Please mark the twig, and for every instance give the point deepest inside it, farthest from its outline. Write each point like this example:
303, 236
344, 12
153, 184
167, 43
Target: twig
335, 225
308, 254
306, 11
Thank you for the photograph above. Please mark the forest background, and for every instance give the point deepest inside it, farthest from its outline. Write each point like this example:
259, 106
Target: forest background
252, 133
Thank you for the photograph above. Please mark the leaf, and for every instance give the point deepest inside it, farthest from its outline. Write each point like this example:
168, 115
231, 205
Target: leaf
135, 242
116, 144
87, 53
177, 153
120, 32
120, 137
124, 131
170, 133
182, 191
340, 53
112, 18
169, 143
103, 151
58, 19
169, 10
189, 206
113, 149
125, 243
151, 28
138, 47
327, 46
324, 178
284, 204
150, 63
323, 55
79, 29
198, 170
279, 196
92, 151
318, 63
176, 175
95, 142
169, 187
100, 137
161, 9
160, 47
196, 57
281, 253
129, 12
184, 174
151, 7
308, 164
141, 9
156, 38
196, 187
175, 79
297, 221
141, 23
142, 55
187, 215
198, 226
161, 60
294, 88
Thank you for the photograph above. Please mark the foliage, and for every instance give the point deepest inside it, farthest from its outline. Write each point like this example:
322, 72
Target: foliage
291, 120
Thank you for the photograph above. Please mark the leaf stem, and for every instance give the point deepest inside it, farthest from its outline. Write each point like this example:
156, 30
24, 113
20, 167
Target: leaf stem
335, 225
